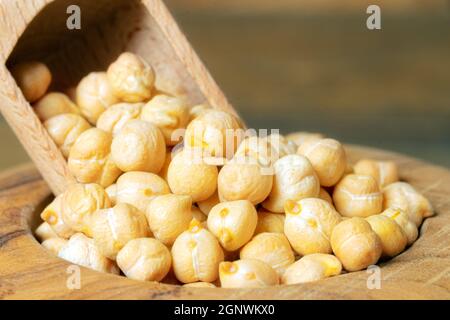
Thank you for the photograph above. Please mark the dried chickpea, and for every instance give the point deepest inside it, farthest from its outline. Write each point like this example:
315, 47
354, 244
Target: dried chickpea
131, 78
401, 217
403, 196
117, 116
384, 172
248, 273
189, 175
259, 150
94, 96
53, 104
139, 188
308, 225
64, 129
328, 158
111, 191
53, 215
145, 259
139, 146
33, 78
168, 114
294, 179
269, 222
168, 216
199, 285
196, 255
198, 215
282, 146
233, 223
324, 195
313, 267
355, 244
271, 248
54, 244
44, 231
112, 228
197, 110
393, 239
81, 250
302, 136
80, 202
358, 196
206, 205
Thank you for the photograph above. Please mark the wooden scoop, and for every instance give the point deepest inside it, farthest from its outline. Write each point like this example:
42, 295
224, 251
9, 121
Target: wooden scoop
37, 30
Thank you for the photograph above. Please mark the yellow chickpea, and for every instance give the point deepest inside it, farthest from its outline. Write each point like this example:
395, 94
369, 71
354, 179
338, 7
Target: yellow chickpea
324, 195
271, 248
199, 285
248, 273
233, 223
33, 78
294, 179
328, 158
393, 239
168, 216
384, 172
206, 205
117, 116
131, 78
64, 129
53, 215
165, 168
355, 244
358, 196
312, 267
281, 145
94, 96
270, 222
111, 191
302, 136
401, 217
54, 104
44, 231
145, 259
309, 224
198, 215
54, 244
197, 110
259, 150
139, 146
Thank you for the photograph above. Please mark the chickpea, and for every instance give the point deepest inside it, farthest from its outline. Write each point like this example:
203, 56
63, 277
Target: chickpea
401, 217
94, 96
196, 255
131, 78
81, 250
294, 179
165, 168
145, 259
44, 232
302, 136
355, 244
206, 205
197, 110
258, 150
190, 175
281, 145
271, 248
328, 158
139, 188
358, 196
168, 114
52, 215
54, 244
117, 116
80, 202
112, 228
403, 196
308, 225
89, 158
54, 104
199, 284
312, 267
384, 172
33, 78
269, 222
393, 239
324, 195
64, 129
139, 146
198, 215
111, 191
233, 223
248, 273
168, 216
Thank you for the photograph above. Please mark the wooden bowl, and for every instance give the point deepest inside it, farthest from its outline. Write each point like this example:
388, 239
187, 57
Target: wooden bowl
28, 271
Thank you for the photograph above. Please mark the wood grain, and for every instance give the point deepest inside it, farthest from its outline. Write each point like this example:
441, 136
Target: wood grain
28, 271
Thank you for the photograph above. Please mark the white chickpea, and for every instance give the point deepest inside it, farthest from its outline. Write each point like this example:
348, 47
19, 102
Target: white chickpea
358, 196
44, 231
384, 172
90, 160
294, 179
401, 217
117, 116
54, 244
199, 285
197, 110
168, 216
33, 78
64, 129
309, 224
94, 96
168, 114
302, 136
112, 228
145, 259
139, 188
81, 250
131, 78
196, 255
324, 195
248, 273
53, 215
139, 146
328, 158
270, 222
111, 191
313, 267
271, 248
53, 104
393, 239
206, 205
233, 223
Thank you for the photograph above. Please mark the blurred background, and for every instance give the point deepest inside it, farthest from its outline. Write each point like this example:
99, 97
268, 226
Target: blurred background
312, 65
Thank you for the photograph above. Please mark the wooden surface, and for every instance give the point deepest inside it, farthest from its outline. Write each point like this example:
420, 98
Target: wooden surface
27, 271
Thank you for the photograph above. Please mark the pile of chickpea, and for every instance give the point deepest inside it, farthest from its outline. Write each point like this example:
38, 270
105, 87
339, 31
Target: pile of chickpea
144, 207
